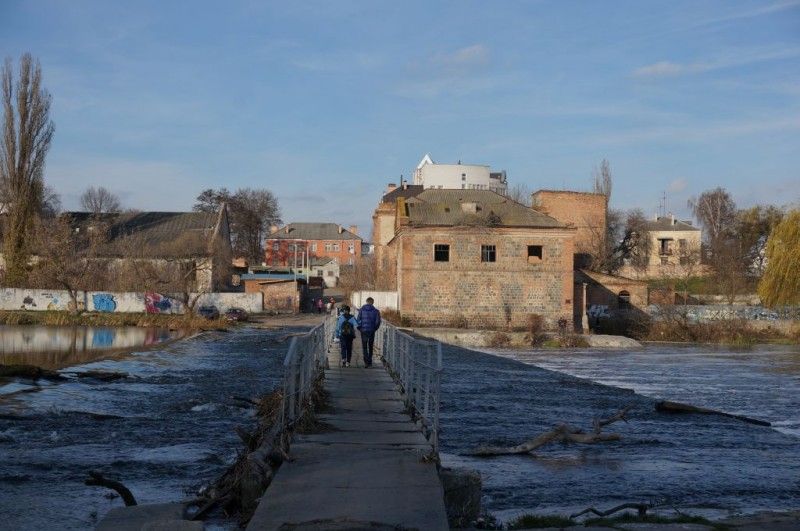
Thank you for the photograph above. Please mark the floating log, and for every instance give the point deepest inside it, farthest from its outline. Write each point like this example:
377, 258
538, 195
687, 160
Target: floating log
96, 479
561, 432
665, 406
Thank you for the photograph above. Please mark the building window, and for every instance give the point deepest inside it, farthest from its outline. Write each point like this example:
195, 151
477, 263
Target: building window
534, 252
441, 252
319, 272
488, 253
329, 247
330, 273
624, 299
276, 247
336, 247
351, 248
314, 247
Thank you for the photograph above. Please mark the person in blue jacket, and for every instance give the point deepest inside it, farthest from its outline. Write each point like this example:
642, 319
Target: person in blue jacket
346, 326
369, 320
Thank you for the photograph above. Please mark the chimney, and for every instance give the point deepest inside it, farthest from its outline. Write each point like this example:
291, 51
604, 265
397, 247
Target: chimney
287, 229
353, 229
273, 229
671, 219
341, 229
391, 187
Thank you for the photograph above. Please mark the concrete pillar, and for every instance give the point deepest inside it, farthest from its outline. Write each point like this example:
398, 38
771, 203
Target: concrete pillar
585, 312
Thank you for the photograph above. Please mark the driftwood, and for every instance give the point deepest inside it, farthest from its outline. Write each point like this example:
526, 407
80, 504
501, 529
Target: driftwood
29, 371
96, 479
560, 433
666, 406
105, 376
641, 508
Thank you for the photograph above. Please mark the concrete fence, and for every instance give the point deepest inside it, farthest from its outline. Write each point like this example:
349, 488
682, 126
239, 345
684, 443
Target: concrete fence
384, 300
122, 302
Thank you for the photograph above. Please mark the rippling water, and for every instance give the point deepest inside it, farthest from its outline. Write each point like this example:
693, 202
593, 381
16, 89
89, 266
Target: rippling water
705, 464
175, 431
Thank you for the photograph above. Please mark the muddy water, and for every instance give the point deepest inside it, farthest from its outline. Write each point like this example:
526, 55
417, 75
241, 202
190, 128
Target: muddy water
174, 432
705, 464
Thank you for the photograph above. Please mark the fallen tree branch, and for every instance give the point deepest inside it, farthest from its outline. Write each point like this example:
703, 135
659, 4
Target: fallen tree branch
96, 479
641, 508
665, 406
560, 433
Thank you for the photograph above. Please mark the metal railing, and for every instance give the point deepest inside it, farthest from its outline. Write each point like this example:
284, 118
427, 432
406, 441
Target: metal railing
307, 356
416, 365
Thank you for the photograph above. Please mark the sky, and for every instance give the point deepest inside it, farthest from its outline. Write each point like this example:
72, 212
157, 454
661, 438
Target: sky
325, 103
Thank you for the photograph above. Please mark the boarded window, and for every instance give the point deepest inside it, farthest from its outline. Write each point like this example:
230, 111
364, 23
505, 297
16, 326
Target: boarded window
624, 299
534, 253
488, 253
441, 252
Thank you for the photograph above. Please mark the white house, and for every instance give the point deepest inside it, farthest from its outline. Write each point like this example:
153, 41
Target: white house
459, 176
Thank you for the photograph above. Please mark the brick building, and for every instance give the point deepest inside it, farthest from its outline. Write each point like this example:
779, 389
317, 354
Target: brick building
674, 250
585, 211
474, 257
318, 240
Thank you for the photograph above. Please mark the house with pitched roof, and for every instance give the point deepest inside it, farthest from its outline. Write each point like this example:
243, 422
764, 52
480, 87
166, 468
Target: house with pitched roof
293, 244
474, 258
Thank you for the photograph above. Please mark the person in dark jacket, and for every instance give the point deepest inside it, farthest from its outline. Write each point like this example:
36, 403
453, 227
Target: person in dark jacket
369, 320
346, 332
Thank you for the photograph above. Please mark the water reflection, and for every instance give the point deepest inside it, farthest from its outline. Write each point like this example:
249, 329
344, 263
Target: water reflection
54, 347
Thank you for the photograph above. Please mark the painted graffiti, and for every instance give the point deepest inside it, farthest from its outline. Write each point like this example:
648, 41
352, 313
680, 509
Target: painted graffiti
156, 303
104, 302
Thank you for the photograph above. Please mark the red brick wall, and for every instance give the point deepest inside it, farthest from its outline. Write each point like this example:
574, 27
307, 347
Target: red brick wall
585, 211
284, 256
278, 296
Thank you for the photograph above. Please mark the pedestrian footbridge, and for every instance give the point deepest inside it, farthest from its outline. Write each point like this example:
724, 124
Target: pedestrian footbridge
373, 464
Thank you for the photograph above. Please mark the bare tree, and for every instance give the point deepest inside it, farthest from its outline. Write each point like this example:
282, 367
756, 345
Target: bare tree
252, 211
716, 212
602, 179
753, 227
100, 200
27, 132
68, 259
636, 246
521, 193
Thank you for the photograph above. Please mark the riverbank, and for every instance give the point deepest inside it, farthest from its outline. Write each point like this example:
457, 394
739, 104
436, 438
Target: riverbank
57, 318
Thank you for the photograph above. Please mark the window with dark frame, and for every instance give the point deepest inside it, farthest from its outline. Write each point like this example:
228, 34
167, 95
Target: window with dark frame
488, 253
535, 251
441, 252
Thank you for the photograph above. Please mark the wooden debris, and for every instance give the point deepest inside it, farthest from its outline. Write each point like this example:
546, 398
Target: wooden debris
560, 433
665, 406
96, 479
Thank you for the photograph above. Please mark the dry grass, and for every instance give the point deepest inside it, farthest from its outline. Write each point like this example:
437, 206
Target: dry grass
52, 318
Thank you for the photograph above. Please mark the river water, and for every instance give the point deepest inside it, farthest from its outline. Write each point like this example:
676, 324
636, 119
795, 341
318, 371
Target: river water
707, 465
171, 434
173, 430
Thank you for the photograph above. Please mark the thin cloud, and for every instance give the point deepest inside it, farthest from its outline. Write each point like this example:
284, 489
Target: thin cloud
678, 185
460, 71
770, 9
731, 60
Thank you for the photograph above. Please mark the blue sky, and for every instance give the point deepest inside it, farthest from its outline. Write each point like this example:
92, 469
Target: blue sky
324, 103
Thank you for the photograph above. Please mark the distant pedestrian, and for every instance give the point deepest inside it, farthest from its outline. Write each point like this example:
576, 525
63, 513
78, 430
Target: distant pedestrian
331, 306
346, 332
320, 305
369, 320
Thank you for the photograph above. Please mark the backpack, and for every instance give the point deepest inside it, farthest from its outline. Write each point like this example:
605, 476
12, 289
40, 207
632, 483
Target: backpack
347, 329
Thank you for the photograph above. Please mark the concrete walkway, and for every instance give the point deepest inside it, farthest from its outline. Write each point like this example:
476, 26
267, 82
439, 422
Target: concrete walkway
368, 472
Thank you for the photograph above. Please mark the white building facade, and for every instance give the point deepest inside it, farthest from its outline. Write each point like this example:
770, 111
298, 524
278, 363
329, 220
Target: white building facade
459, 176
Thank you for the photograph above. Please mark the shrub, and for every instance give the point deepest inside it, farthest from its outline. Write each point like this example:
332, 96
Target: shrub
534, 521
499, 339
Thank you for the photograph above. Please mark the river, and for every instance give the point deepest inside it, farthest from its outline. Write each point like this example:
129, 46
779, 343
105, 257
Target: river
707, 465
174, 431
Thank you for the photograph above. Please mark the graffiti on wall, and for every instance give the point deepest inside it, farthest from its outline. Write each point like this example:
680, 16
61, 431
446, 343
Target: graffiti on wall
156, 303
104, 302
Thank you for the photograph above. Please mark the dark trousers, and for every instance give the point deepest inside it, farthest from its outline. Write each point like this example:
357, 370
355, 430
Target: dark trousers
367, 345
346, 344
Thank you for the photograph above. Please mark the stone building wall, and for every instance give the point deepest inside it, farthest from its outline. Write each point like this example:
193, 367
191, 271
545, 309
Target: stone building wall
468, 292
281, 296
583, 210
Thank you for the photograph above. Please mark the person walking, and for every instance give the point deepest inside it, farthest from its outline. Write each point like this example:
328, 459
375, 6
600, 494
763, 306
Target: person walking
331, 306
369, 320
320, 305
346, 332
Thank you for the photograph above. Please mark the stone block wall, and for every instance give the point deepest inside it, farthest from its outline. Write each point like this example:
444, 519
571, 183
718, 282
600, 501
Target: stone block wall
583, 210
468, 292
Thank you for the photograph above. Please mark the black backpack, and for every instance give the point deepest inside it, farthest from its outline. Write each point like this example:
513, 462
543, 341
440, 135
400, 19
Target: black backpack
347, 328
